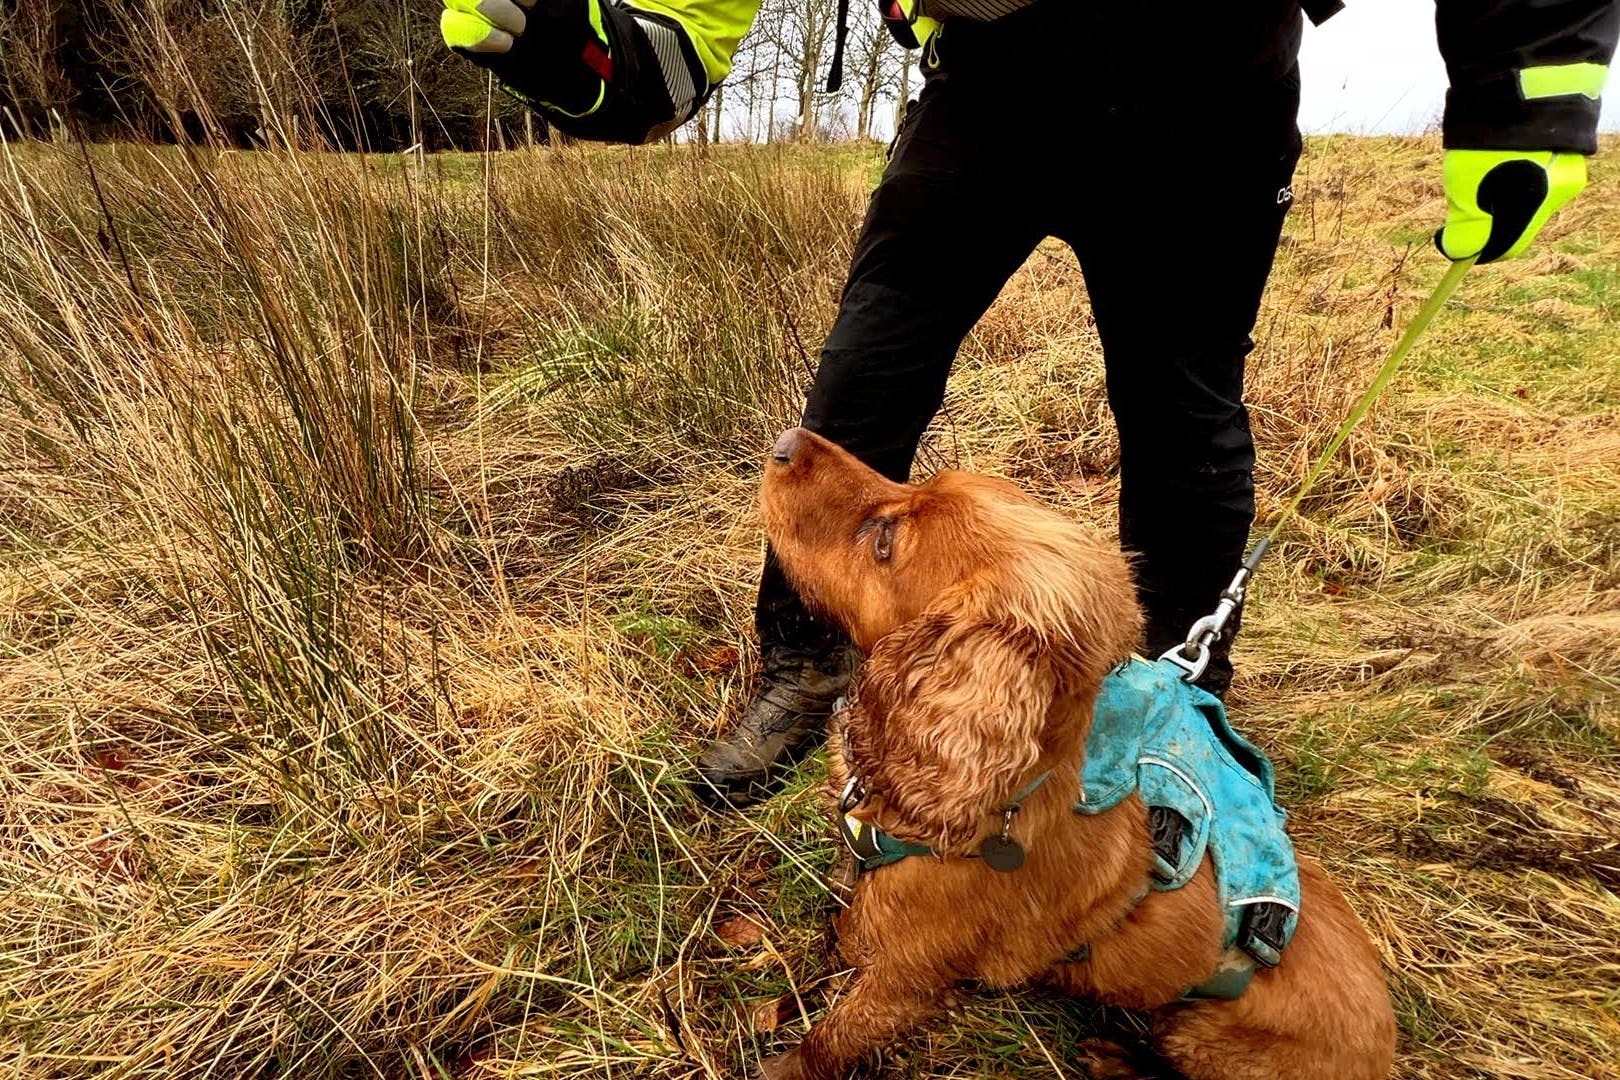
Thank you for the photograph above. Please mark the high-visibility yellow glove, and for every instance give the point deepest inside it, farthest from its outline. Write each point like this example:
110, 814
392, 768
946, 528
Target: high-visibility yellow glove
552, 53
594, 69
1498, 200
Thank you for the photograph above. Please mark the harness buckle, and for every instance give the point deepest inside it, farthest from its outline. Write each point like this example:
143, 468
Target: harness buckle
1166, 828
1261, 932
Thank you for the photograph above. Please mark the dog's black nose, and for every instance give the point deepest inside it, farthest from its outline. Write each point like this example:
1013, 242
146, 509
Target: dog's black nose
787, 446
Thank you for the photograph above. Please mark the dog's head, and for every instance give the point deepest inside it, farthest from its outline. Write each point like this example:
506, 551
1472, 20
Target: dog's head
979, 610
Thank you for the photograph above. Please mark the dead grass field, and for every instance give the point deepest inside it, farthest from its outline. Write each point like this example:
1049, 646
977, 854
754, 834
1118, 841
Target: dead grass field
376, 550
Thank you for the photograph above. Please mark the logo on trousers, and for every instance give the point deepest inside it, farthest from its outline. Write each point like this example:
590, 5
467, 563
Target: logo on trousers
1285, 195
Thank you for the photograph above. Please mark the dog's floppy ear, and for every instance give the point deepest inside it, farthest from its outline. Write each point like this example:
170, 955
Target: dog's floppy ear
951, 709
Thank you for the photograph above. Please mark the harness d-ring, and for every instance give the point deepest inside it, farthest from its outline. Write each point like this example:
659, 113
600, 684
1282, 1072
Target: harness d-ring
1193, 655
1191, 668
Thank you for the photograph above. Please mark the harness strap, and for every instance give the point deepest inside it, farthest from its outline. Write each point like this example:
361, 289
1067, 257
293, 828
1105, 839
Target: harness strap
1233, 973
1232, 976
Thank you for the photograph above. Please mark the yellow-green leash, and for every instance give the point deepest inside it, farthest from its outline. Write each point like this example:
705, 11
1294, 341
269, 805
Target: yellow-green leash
1192, 656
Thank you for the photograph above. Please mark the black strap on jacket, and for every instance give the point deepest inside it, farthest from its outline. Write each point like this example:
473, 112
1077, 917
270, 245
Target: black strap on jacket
835, 77
1320, 11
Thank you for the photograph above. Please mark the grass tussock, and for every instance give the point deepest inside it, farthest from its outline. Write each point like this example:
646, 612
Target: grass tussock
376, 548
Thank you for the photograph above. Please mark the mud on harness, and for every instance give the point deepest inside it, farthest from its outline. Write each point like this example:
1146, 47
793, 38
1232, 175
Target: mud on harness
1207, 789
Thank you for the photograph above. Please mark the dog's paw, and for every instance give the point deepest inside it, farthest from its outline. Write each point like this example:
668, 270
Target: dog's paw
779, 1067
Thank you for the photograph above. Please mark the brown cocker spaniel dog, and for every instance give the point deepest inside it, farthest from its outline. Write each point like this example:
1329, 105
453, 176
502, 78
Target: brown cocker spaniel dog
989, 622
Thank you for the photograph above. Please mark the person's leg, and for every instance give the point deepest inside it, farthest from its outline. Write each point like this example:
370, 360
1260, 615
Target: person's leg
943, 232
1175, 282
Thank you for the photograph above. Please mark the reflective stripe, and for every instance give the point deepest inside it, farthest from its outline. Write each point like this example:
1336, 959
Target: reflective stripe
671, 61
714, 28
1283, 900
601, 96
1197, 789
1563, 80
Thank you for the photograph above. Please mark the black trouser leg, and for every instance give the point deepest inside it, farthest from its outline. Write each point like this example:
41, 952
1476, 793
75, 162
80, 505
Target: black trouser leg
1175, 286
944, 231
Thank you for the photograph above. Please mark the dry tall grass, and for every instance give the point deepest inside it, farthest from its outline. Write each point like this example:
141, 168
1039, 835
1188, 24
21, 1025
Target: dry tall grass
376, 548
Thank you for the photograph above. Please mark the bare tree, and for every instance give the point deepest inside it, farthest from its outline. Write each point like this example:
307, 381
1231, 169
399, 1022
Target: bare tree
874, 53
802, 32
373, 74
752, 78
785, 61
144, 44
258, 68
30, 69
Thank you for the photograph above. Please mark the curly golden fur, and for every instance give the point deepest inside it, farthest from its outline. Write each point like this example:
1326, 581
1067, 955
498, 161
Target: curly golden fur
989, 623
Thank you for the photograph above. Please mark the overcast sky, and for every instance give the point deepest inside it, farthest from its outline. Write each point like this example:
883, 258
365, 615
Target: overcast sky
1374, 67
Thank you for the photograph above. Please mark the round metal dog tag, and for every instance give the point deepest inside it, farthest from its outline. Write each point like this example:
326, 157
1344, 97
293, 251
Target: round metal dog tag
1002, 854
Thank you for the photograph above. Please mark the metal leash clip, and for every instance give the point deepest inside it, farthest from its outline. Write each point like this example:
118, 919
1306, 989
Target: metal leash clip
1192, 656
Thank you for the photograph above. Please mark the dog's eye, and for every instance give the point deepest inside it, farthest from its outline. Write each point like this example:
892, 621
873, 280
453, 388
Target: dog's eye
883, 540
879, 532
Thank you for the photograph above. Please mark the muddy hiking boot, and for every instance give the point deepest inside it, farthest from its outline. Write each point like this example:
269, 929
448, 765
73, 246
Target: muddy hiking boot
786, 719
805, 666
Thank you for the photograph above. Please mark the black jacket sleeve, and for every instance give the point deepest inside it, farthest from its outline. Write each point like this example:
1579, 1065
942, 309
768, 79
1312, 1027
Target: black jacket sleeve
1487, 44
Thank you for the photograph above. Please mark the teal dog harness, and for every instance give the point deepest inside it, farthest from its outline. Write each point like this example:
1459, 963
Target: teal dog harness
1207, 789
